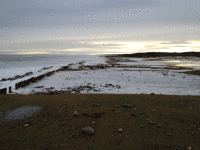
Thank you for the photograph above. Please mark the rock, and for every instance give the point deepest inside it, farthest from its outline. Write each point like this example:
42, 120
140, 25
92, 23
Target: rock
97, 115
150, 122
17, 76
85, 114
141, 112
120, 130
88, 131
189, 148
152, 93
147, 116
3, 79
132, 114
46, 148
26, 125
63, 124
39, 87
153, 110
67, 119
96, 105
169, 134
127, 105
141, 126
73, 135
113, 109
27, 122
158, 126
75, 113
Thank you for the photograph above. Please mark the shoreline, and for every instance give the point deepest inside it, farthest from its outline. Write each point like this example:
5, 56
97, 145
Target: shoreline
112, 63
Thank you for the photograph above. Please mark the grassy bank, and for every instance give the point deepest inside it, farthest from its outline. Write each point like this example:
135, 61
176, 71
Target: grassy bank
175, 122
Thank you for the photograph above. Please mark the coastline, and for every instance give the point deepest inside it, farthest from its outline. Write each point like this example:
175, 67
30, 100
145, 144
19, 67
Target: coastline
115, 68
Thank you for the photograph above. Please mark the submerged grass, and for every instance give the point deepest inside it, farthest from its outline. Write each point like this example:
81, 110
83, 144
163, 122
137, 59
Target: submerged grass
175, 120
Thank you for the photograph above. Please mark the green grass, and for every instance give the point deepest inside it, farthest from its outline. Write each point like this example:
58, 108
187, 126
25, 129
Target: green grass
173, 114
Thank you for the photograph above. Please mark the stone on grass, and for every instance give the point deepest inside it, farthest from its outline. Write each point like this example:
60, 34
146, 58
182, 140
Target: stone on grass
88, 131
127, 105
63, 124
75, 113
113, 109
27, 122
132, 114
26, 125
120, 130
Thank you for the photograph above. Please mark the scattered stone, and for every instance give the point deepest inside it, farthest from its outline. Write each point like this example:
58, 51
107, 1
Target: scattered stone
88, 131
169, 134
73, 135
113, 109
96, 105
158, 126
85, 114
132, 114
150, 122
141, 126
147, 116
116, 112
127, 105
3, 79
67, 119
63, 124
46, 148
153, 110
120, 130
97, 115
141, 112
17, 76
75, 113
27, 122
26, 125
39, 87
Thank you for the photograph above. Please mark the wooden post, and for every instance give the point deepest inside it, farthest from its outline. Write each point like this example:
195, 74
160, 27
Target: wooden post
3, 91
16, 86
10, 89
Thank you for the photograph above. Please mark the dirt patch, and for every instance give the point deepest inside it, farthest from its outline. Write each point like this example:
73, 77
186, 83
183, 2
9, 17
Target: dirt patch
153, 122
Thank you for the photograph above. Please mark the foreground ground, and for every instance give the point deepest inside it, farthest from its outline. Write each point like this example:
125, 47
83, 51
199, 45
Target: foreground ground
160, 122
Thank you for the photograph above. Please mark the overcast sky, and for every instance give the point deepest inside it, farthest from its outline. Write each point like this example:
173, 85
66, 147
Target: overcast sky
98, 20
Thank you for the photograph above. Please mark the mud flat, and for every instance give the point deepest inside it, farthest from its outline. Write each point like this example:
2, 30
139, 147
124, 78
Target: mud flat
120, 121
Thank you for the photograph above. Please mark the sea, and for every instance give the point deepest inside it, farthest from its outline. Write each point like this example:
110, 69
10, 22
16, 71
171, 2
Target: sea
19, 62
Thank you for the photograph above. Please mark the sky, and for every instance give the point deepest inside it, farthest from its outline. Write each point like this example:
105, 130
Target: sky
76, 25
